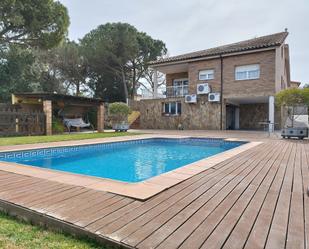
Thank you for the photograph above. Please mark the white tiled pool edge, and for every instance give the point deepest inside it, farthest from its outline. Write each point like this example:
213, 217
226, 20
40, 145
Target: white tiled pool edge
142, 190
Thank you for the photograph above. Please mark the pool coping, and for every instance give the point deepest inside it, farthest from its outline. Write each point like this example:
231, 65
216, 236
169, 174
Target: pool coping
140, 190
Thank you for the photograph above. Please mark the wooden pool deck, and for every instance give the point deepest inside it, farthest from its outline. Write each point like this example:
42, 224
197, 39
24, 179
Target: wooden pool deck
256, 199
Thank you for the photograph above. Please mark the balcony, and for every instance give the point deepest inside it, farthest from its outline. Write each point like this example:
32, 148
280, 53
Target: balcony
168, 92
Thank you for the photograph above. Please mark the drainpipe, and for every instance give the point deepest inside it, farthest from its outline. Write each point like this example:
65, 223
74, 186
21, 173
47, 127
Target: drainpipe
221, 93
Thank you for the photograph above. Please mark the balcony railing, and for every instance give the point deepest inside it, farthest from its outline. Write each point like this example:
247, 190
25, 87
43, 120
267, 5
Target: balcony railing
168, 92
176, 91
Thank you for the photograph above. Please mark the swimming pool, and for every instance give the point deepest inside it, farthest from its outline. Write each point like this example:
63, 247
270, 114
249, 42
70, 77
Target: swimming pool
129, 161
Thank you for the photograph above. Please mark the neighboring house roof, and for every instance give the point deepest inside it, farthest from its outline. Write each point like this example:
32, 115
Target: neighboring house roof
262, 42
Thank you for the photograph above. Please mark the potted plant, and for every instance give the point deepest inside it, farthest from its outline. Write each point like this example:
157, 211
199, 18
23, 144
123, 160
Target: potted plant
291, 99
119, 112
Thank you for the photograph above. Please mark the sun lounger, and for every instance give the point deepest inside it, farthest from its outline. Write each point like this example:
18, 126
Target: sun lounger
77, 123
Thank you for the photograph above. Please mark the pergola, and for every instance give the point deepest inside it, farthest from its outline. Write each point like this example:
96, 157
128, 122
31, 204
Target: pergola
49, 101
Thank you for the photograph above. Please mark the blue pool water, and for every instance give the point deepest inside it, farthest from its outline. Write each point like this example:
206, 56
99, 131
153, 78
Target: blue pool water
129, 161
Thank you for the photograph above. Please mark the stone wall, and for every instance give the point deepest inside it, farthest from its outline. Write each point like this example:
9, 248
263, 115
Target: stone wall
251, 114
203, 115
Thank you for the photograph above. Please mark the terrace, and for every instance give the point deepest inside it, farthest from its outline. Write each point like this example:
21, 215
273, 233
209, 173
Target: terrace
167, 92
255, 199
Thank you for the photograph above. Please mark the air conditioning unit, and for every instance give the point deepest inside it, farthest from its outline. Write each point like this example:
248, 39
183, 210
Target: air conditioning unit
214, 97
203, 88
191, 98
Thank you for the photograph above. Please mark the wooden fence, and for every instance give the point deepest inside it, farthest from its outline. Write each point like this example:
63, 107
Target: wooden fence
14, 121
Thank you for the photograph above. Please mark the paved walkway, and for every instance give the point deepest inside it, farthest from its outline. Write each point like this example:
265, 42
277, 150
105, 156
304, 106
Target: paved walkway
256, 199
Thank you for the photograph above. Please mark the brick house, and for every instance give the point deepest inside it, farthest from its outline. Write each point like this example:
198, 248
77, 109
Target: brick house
226, 87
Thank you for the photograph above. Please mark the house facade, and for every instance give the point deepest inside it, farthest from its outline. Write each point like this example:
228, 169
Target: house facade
227, 87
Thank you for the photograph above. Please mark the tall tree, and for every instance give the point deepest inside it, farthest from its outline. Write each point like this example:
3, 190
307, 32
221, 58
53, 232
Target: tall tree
108, 48
17, 72
72, 66
35, 23
65, 66
149, 49
117, 55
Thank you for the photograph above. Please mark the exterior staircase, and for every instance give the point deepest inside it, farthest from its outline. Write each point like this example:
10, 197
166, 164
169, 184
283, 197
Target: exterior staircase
134, 120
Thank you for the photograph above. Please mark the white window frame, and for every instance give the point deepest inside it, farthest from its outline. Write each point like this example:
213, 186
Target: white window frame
170, 108
181, 89
182, 81
246, 70
208, 73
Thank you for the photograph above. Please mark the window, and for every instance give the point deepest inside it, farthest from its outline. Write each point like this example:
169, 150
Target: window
180, 82
180, 88
248, 72
206, 74
172, 108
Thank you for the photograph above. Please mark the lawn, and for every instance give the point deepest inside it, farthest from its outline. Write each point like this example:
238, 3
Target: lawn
56, 138
17, 235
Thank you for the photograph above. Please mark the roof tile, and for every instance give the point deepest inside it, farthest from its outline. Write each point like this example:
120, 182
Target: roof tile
252, 44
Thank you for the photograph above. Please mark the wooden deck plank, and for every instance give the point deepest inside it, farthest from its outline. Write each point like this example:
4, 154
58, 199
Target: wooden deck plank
305, 176
258, 188
215, 216
157, 218
26, 188
258, 234
105, 211
40, 193
296, 226
165, 199
187, 211
278, 230
5, 175
83, 207
57, 198
95, 210
241, 231
19, 184
197, 218
115, 215
13, 180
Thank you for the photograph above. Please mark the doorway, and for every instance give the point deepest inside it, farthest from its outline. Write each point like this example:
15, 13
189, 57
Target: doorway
232, 117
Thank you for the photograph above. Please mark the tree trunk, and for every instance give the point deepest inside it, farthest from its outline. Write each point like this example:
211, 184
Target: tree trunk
125, 87
133, 80
77, 89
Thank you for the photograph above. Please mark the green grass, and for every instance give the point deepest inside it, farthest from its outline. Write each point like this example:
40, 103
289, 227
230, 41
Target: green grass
20, 235
56, 138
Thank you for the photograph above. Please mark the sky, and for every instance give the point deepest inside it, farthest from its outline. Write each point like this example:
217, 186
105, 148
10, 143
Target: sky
191, 25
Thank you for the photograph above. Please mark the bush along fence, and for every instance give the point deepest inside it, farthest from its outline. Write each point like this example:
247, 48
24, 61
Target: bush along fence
15, 121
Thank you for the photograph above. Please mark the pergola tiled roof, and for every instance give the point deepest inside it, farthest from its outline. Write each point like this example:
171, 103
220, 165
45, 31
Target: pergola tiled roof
60, 97
262, 42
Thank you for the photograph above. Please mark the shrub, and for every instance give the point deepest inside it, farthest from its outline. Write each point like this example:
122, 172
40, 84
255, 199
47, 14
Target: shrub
293, 97
57, 126
119, 112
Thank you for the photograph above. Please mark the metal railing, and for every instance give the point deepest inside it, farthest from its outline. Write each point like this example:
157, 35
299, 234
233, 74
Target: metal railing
168, 92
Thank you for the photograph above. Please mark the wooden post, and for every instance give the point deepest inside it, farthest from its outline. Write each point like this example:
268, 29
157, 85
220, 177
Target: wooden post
47, 108
100, 118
